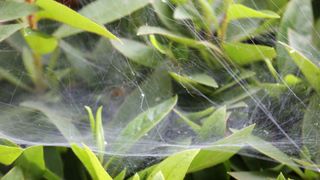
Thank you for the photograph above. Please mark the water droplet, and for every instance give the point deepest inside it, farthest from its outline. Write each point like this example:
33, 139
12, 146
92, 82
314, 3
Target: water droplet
292, 51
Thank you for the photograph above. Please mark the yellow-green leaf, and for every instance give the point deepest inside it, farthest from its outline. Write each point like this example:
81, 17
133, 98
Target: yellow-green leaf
9, 154
40, 43
175, 166
243, 54
58, 12
91, 162
239, 11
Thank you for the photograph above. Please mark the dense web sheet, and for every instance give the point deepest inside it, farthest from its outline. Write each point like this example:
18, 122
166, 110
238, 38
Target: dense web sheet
177, 96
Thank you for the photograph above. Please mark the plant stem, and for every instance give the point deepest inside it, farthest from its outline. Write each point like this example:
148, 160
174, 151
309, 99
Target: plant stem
37, 59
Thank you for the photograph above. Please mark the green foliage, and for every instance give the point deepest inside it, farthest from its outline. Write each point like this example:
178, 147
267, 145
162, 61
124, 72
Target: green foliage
58, 12
11, 10
91, 162
191, 51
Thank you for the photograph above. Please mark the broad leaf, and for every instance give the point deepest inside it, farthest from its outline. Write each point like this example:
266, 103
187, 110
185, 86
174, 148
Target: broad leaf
221, 150
214, 126
198, 81
40, 43
91, 162
243, 54
271, 151
10, 10
9, 154
239, 11
137, 52
32, 162
175, 166
58, 12
310, 70
8, 30
103, 12
147, 120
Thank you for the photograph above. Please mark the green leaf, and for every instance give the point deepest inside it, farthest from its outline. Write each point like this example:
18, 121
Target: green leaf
239, 11
91, 162
311, 127
175, 166
40, 43
32, 162
215, 125
53, 161
9, 29
147, 120
58, 12
121, 175
10, 10
14, 174
9, 154
310, 70
251, 175
243, 54
199, 81
271, 151
104, 12
149, 30
137, 52
302, 25
281, 177
221, 150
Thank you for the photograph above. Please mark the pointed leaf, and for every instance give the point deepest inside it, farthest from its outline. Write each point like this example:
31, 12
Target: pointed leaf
91, 162
239, 11
58, 12
175, 166
215, 125
195, 80
9, 154
243, 54
221, 150
147, 120
104, 12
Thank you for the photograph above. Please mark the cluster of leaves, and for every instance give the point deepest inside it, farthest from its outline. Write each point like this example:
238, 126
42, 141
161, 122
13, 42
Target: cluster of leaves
231, 67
